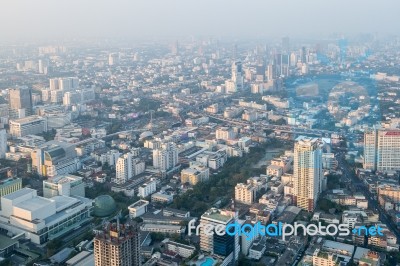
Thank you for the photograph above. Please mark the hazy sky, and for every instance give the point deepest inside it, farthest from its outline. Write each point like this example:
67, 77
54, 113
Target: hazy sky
54, 19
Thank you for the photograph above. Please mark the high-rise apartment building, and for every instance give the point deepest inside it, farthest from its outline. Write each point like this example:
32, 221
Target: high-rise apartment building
20, 102
64, 84
307, 172
225, 245
166, 157
128, 166
117, 245
382, 150
237, 74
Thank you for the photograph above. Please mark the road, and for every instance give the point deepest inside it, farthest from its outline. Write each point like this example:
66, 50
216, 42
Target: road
357, 185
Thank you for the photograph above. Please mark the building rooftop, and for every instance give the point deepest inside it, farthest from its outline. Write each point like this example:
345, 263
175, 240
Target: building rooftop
34, 204
216, 216
27, 119
6, 242
19, 193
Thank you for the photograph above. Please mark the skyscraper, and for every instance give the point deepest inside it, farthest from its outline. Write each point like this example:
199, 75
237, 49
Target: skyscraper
303, 55
225, 245
307, 172
117, 245
382, 150
237, 74
20, 102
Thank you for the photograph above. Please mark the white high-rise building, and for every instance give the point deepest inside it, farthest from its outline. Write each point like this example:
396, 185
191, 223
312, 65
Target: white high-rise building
166, 157
382, 150
3, 143
127, 167
64, 84
237, 74
307, 172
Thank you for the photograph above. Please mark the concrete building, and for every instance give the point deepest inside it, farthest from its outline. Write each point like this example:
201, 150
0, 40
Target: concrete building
307, 172
194, 174
382, 149
30, 125
185, 251
162, 198
322, 258
3, 143
138, 208
225, 133
226, 246
20, 102
55, 158
127, 167
10, 185
64, 84
41, 219
64, 185
166, 157
117, 244
148, 188
245, 193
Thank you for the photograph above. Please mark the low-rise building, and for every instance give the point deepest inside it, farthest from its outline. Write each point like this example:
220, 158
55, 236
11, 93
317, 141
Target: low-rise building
41, 219
138, 208
148, 188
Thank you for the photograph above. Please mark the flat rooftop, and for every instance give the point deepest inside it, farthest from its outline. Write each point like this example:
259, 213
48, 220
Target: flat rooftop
18, 193
34, 203
217, 217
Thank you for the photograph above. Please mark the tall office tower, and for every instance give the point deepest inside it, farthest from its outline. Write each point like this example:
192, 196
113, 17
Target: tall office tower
20, 102
166, 157
307, 172
260, 72
271, 73
3, 143
237, 74
127, 167
225, 245
285, 62
382, 150
113, 59
117, 245
303, 55
278, 63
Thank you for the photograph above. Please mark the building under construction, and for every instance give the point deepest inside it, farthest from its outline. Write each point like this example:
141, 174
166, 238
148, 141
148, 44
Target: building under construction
117, 245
